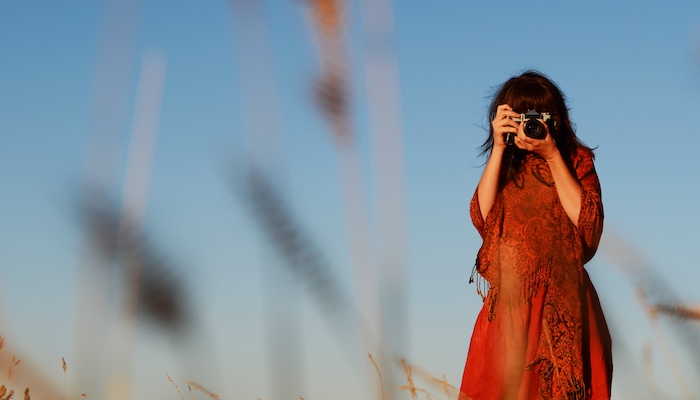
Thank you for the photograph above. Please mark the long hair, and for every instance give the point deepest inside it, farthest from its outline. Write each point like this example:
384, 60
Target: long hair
534, 90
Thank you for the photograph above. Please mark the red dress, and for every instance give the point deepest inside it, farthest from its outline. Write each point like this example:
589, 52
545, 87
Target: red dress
541, 333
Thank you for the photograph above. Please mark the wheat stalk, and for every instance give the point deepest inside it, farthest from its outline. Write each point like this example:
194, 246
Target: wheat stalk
202, 389
3, 392
13, 364
65, 386
381, 381
176, 388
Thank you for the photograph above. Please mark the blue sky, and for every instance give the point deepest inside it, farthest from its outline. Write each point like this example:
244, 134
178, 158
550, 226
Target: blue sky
630, 70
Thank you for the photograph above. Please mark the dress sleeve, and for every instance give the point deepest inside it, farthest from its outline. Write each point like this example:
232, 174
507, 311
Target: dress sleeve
475, 213
590, 220
493, 218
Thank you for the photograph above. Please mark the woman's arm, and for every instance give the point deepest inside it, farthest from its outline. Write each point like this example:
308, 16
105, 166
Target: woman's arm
488, 184
590, 218
568, 187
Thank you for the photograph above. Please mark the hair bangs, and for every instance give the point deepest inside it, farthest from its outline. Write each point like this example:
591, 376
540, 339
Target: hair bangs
528, 95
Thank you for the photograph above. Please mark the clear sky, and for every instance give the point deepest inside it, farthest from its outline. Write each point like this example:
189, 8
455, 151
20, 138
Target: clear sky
630, 70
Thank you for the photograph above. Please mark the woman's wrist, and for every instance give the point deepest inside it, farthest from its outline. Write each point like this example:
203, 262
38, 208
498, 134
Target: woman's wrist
553, 155
498, 150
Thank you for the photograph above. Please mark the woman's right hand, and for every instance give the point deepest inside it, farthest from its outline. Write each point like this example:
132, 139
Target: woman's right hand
503, 124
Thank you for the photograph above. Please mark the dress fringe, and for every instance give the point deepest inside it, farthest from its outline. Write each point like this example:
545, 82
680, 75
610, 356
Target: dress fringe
527, 288
482, 286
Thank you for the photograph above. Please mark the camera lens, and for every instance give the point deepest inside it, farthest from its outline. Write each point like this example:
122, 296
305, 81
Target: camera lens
534, 129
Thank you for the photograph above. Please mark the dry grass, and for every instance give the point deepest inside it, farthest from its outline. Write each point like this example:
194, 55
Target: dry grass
5, 392
174, 384
192, 384
410, 385
8, 393
379, 373
13, 364
450, 392
417, 393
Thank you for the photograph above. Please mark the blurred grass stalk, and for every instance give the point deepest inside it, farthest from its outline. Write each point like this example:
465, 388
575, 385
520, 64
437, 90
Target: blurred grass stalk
384, 106
333, 90
656, 296
133, 210
109, 103
266, 152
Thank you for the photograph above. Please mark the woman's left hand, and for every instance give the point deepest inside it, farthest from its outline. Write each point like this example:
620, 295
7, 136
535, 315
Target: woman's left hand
545, 147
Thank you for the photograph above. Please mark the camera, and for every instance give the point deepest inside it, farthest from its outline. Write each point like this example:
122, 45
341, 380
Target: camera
533, 124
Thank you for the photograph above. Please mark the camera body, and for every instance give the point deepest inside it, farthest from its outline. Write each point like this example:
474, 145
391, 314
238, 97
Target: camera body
533, 123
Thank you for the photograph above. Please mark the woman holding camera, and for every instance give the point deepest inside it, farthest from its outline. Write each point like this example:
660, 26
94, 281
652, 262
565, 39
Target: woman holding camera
541, 333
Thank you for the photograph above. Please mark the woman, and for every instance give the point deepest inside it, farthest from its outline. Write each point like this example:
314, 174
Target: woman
541, 333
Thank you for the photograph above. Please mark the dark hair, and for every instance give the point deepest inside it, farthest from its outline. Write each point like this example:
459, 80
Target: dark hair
534, 90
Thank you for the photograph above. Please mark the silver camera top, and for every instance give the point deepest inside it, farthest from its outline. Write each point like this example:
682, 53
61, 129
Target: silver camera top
533, 114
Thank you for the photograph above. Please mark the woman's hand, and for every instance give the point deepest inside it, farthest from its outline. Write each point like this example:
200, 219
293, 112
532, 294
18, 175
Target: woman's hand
545, 147
503, 125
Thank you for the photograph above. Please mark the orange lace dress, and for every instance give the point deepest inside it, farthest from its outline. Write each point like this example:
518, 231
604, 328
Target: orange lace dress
541, 333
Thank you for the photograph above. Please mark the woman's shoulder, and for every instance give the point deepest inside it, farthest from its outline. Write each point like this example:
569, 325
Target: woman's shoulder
582, 154
583, 151
582, 161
